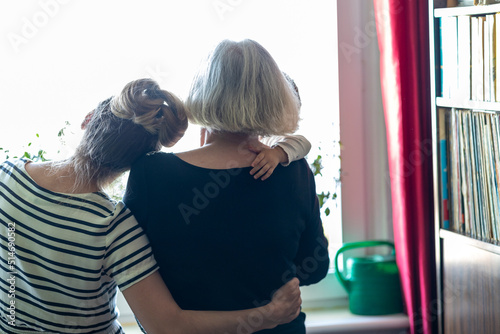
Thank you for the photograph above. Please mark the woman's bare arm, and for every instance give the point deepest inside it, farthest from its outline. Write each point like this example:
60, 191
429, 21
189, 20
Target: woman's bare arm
156, 310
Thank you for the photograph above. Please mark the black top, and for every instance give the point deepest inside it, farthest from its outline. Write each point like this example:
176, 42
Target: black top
225, 241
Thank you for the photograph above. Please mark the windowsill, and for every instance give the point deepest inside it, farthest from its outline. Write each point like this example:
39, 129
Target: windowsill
341, 320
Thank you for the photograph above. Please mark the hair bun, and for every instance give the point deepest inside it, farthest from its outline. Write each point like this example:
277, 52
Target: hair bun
143, 102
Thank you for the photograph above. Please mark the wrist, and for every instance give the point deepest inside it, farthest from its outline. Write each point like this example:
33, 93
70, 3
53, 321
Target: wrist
282, 154
270, 317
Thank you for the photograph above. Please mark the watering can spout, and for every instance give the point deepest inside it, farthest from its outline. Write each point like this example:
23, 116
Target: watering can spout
372, 282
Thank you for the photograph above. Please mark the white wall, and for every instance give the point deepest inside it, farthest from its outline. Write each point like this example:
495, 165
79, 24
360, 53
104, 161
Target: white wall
366, 202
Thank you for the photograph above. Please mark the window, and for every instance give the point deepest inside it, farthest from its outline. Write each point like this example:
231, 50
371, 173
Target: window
62, 57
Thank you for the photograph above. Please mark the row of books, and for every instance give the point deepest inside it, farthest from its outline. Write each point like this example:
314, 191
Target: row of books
455, 3
473, 2
470, 172
468, 57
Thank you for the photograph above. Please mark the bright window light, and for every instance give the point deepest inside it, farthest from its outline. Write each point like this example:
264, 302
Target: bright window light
60, 58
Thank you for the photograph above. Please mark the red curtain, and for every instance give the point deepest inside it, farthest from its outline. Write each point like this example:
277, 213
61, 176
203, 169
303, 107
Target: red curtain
403, 34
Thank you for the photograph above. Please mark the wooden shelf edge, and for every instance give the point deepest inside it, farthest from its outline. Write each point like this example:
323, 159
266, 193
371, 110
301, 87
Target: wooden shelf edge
461, 104
450, 235
466, 10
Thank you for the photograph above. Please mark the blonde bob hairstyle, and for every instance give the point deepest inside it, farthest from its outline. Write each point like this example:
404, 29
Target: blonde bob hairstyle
242, 90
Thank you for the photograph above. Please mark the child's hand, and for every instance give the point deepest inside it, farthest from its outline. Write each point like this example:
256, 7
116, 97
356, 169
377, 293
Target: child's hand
266, 161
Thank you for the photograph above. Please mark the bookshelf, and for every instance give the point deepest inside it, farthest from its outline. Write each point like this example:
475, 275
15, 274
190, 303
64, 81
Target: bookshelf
465, 106
466, 10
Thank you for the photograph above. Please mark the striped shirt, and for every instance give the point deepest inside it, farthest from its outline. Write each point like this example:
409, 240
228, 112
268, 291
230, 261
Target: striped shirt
63, 257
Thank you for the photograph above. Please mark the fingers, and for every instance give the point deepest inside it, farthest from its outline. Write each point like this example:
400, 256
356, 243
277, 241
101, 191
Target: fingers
294, 289
290, 290
265, 172
286, 302
293, 283
261, 167
268, 173
258, 161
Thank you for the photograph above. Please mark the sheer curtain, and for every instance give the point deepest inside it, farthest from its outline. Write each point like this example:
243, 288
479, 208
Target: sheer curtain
403, 34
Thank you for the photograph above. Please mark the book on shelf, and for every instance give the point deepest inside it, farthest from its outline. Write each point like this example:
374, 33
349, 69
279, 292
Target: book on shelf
468, 57
486, 60
444, 168
489, 140
440, 3
485, 176
496, 172
454, 168
459, 3
441, 70
485, 2
469, 164
490, 57
473, 189
477, 57
445, 77
480, 59
463, 176
449, 49
480, 194
464, 56
491, 19
497, 55
467, 184
476, 69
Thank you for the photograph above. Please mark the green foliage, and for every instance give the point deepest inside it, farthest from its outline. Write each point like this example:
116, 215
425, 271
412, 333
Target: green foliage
323, 198
37, 155
115, 190
316, 166
62, 133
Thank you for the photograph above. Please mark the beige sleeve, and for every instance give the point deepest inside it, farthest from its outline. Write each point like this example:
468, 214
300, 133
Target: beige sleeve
296, 147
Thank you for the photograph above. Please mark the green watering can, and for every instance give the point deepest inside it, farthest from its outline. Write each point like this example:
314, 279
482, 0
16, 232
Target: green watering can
372, 282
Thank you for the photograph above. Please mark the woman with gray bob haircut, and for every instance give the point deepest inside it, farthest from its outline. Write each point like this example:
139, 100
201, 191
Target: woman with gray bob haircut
242, 90
223, 240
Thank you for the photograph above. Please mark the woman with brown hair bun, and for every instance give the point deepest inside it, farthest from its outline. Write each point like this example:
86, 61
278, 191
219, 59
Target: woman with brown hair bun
67, 247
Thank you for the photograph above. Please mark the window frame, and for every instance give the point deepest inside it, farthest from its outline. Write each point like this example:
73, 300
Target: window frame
366, 206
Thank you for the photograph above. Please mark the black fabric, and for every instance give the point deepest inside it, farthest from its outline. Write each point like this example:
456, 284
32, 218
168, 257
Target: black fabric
225, 241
